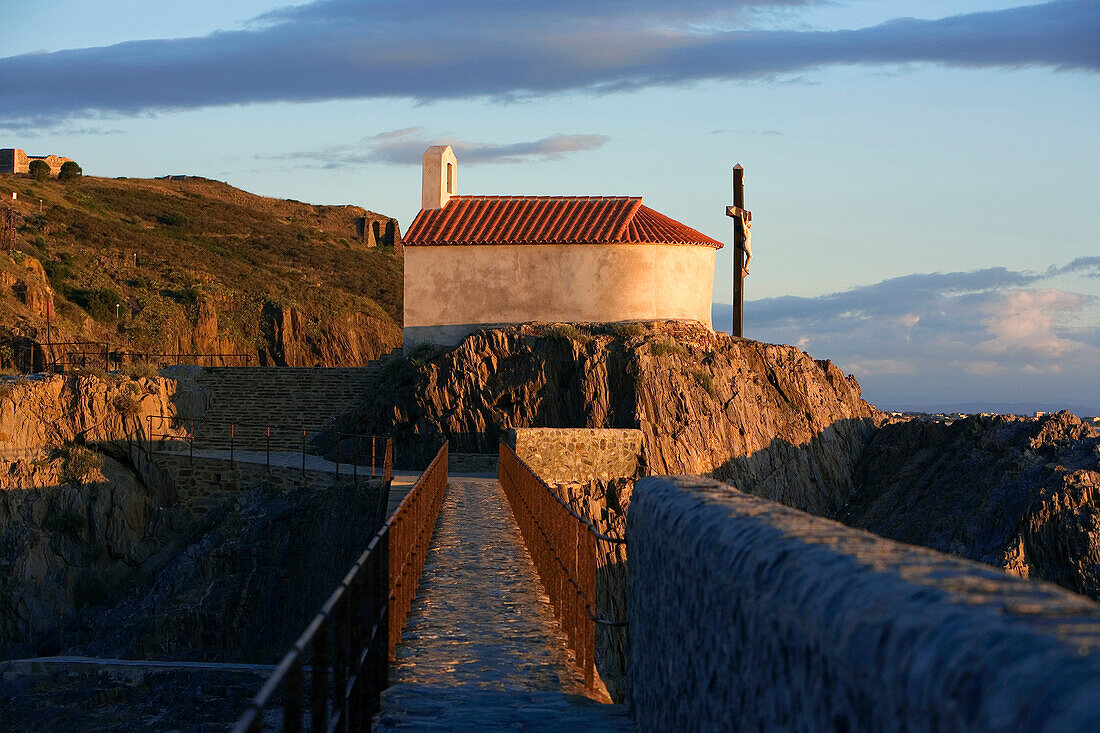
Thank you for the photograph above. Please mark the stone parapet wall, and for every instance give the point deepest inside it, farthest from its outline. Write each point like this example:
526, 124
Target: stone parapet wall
751, 615
577, 454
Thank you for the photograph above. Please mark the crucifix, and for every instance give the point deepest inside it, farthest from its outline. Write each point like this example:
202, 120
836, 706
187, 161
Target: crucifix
742, 221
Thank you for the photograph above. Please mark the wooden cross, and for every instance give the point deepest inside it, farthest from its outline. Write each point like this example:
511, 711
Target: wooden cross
740, 217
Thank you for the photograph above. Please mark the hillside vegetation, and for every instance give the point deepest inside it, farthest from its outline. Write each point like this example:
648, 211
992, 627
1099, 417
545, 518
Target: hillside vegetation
194, 265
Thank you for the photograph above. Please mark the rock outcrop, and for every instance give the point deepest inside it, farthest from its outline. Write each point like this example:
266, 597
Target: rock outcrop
1017, 493
767, 418
101, 552
76, 517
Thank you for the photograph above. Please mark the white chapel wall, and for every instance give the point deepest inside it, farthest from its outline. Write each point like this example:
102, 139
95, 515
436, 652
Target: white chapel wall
451, 291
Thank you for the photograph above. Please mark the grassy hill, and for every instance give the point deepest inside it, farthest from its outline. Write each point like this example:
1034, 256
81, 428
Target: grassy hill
196, 265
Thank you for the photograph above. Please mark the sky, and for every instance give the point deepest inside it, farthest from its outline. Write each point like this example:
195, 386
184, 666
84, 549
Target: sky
921, 173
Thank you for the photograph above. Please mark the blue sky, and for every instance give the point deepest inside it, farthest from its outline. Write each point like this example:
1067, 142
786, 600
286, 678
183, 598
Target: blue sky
921, 174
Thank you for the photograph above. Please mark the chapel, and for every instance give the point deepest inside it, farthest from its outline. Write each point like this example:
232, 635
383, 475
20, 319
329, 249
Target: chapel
474, 262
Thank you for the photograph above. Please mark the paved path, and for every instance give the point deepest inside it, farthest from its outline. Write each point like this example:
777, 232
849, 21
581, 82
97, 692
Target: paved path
481, 650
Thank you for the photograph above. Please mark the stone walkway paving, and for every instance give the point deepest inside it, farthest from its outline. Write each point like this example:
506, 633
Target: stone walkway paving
481, 650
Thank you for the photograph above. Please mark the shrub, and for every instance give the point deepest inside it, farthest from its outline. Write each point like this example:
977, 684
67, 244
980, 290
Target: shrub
566, 332
69, 171
89, 590
127, 404
663, 347
89, 371
423, 352
39, 170
99, 302
142, 370
80, 463
396, 369
175, 219
704, 380
627, 330
59, 270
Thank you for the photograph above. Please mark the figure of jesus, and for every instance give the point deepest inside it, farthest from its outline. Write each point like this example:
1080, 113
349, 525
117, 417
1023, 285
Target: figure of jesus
746, 227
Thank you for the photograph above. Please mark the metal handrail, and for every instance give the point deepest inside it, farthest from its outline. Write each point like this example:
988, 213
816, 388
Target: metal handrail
562, 545
412, 526
381, 446
94, 353
352, 637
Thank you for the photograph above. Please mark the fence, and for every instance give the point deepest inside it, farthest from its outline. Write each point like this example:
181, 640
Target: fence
562, 545
411, 528
170, 433
68, 355
350, 642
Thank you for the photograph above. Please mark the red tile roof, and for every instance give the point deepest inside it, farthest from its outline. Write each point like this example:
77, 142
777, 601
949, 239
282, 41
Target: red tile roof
549, 220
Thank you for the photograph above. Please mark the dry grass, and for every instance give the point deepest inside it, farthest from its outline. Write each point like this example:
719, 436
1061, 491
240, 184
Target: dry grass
664, 347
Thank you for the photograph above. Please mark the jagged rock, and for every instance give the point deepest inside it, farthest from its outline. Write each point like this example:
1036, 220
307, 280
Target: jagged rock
1017, 493
767, 418
353, 340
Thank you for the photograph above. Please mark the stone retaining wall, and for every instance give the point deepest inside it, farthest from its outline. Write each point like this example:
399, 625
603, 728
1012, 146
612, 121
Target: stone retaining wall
750, 615
577, 454
212, 476
291, 398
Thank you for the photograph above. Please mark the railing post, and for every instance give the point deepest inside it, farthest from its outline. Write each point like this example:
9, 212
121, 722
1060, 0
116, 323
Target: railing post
382, 599
292, 697
589, 623
318, 698
340, 646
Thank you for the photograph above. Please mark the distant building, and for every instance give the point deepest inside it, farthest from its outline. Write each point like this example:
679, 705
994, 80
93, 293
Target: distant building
474, 262
14, 160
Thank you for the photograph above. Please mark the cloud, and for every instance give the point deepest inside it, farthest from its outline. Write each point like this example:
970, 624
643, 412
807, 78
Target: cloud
992, 332
407, 145
429, 50
1082, 267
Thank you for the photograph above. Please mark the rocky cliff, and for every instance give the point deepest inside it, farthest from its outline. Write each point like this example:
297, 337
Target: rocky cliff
163, 266
76, 517
100, 552
767, 418
1017, 493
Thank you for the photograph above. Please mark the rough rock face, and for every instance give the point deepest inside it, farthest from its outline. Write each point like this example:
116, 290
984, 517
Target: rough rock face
1017, 493
27, 281
48, 412
290, 339
243, 588
75, 517
100, 552
767, 418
